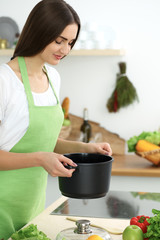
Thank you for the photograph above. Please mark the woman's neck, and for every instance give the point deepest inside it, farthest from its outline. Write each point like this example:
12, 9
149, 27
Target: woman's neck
34, 66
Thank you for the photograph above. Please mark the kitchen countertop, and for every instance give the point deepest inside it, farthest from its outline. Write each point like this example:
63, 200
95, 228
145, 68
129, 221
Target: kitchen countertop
112, 211
133, 165
51, 225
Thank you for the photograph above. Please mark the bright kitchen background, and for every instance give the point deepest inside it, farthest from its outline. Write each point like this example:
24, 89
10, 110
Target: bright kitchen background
89, 80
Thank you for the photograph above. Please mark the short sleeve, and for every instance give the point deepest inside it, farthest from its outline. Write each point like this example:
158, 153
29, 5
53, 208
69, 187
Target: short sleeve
3, 95
1, 101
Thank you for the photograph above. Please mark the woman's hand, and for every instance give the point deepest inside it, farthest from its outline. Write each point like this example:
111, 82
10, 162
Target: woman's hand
54, 163
103, 148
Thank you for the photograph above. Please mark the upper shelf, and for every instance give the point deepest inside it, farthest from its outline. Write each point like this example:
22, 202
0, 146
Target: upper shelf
98, 52
81, 52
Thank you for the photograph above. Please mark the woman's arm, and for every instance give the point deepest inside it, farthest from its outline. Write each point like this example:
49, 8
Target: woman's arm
64, 146
50, 161
11, 161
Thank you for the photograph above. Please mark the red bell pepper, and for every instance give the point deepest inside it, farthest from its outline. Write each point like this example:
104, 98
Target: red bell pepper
115, 101
140, 221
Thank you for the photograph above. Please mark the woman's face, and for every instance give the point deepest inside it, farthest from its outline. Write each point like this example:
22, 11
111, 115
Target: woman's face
59, 48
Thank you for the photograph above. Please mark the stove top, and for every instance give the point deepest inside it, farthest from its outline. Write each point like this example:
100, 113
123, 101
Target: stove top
116, 204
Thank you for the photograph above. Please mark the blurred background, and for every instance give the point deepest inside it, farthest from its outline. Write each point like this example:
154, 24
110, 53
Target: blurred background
89, 80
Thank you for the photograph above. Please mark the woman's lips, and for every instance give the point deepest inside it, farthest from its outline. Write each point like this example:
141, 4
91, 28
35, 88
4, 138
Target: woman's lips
58, 57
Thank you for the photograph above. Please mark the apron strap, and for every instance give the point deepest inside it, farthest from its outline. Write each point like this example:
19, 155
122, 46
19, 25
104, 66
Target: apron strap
45, 70
25, 79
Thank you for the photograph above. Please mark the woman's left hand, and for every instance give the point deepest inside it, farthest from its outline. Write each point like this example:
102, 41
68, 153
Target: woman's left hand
103, 148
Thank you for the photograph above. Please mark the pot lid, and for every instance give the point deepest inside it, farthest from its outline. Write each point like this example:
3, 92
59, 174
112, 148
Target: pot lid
82, 232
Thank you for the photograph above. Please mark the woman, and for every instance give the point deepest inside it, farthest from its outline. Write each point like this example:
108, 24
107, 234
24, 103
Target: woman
31, 116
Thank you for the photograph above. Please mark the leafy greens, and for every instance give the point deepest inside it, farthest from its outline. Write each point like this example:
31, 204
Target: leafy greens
153, 230
30, 232
153, 137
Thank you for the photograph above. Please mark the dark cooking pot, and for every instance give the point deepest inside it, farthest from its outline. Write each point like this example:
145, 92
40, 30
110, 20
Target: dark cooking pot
91, 179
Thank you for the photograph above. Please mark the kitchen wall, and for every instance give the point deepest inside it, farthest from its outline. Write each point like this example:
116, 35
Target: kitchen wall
89, 81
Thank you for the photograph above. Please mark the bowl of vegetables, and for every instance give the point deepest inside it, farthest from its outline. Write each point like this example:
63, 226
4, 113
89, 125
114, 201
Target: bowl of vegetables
147, 145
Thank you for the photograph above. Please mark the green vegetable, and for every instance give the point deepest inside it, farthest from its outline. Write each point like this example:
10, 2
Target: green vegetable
66, 122
153, 230
30, 232
148, 196
153, 137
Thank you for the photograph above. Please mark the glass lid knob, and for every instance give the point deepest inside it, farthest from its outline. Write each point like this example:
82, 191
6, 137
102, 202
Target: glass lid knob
83, 227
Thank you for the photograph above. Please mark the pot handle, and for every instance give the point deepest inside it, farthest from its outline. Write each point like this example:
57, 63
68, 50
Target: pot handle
70, 167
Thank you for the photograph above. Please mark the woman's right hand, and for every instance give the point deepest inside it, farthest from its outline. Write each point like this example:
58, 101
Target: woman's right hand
54, 163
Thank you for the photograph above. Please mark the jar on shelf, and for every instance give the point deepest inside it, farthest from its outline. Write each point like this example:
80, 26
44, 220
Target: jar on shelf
3, 43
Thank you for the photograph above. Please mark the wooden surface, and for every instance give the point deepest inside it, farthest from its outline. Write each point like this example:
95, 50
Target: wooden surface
51, 225
98, 52
80, 52
133, 165
99, 134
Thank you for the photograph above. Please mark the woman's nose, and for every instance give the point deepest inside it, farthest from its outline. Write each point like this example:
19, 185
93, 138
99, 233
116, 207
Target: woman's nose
65, 49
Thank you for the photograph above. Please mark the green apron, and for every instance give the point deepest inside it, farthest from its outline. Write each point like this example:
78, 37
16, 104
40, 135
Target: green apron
22, 191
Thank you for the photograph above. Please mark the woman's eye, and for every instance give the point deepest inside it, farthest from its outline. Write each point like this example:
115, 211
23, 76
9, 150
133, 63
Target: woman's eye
71, 43
58, 42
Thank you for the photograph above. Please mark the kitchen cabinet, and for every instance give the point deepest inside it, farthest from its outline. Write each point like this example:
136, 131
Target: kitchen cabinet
82, 52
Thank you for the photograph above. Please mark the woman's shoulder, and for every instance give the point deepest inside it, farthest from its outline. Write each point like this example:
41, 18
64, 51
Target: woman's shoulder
7, 76
4, 73
4, 70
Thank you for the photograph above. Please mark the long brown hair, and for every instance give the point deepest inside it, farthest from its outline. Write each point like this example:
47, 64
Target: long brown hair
44, 24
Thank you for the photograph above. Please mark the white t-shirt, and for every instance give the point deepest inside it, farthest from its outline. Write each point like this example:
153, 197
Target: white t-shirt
14, 115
